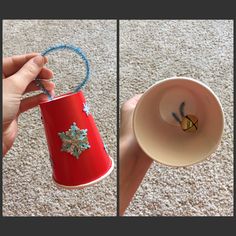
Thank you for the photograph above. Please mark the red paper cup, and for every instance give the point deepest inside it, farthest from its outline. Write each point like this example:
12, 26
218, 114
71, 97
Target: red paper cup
78, 155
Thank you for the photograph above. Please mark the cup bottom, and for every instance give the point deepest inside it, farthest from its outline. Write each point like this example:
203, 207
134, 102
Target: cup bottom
81, 186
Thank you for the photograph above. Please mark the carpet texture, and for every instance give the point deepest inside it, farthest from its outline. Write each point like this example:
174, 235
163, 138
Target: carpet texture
202, 49
28, 189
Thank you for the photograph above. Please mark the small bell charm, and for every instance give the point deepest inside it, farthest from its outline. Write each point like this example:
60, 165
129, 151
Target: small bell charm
189, 123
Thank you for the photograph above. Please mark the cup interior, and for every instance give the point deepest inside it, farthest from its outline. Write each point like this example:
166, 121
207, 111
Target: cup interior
160, 135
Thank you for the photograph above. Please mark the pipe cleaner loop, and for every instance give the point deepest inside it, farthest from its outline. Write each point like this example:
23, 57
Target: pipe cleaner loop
74, 49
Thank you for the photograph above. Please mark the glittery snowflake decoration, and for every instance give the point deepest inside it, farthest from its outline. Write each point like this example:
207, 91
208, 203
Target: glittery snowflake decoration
74, 140
86, 109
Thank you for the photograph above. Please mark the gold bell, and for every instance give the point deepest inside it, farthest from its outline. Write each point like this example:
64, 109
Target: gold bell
189, 123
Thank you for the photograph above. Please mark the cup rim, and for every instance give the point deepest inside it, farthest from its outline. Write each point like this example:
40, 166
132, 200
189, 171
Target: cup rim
179, 78
88, 184
56, 98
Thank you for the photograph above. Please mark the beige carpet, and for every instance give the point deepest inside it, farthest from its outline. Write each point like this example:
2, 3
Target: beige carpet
27, 186
150, 51
154, 50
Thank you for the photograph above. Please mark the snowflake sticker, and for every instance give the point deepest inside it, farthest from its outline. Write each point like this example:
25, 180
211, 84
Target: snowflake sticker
86, 109
74, 140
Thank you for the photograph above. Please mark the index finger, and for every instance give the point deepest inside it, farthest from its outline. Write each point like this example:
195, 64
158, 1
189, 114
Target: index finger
12, 64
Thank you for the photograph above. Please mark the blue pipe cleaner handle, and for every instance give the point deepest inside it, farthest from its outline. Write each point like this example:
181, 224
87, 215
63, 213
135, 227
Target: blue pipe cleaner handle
74, 49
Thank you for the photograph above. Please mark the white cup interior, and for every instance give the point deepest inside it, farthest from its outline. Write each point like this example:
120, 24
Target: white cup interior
160, 135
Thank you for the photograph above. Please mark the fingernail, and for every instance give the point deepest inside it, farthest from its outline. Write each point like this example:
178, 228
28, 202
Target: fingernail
39, 60
52, 93
43, 98
45, 59
52, 84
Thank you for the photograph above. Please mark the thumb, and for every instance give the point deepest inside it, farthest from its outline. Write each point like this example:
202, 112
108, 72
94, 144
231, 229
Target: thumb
29, 72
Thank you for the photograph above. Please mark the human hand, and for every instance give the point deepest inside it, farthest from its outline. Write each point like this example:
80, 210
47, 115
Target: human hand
19, 73
133, 162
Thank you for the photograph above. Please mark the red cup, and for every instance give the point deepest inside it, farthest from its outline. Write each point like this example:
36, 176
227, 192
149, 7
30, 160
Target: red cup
78, 155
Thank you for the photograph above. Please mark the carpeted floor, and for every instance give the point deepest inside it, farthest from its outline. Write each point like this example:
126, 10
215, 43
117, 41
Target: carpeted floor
149, 51
27, 186
202, 49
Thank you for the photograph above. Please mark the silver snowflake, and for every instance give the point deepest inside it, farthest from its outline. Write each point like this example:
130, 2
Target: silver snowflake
74, 140
86, 108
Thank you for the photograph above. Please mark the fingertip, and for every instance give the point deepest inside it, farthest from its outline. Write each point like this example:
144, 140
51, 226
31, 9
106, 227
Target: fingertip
52, 93
31, 55
49, 85
52, 85
46, 74
50, 73
39, 60
43, 98
45, 59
